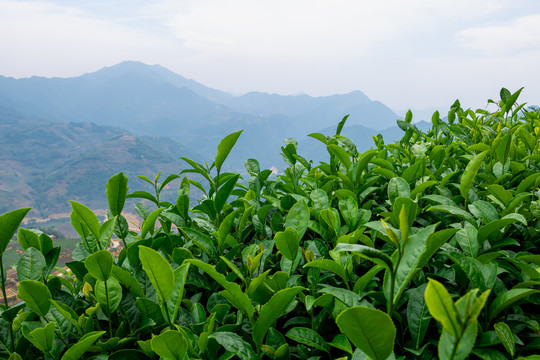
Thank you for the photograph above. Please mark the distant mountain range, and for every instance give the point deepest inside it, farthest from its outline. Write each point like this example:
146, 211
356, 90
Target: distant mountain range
61, 138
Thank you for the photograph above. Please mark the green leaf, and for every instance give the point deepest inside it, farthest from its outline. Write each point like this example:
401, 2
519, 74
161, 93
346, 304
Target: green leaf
170, 345
349, 210
502, 149
504, 333
418, 318
28, 238
106, 231
467, 239
287, 243
412, 259
9, 222
150, 222
15, 356
341, 124
469, 174
398, 187
370, 330
341, 154
454, 210
235, 344
159, 271
347, 297
298, 218
128, 280
31, 265
307, 337
115, 295
328, 265
224, 148
76, 351
86, 217
167, 180
272, 310
377, 256
341, 342
224, 192
36, 295
142, 195
100, 264
441, 307
68, 314
507, 298
452, 348
238, 298
319, 198
174, 301
489, 228
116, 190
203, 241
43, 338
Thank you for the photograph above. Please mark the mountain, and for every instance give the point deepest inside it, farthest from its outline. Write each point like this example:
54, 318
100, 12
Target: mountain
45, 164
152, 100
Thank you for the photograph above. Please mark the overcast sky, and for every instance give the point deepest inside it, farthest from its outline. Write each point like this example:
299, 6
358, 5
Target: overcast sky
404, 53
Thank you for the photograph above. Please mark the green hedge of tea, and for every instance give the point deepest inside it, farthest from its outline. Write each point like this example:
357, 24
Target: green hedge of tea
420, 249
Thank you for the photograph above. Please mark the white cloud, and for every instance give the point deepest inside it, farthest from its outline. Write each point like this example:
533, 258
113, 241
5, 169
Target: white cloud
519, 35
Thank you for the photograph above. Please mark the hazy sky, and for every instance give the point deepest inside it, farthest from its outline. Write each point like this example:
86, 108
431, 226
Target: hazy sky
405, 53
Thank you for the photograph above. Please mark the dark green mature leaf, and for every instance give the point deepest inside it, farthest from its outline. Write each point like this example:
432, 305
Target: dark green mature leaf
31, 265
417, 315
239, 299
412, 258
36, 295
469, 174
76, 351
372, 254
307, 337
341, 154
116, 190
224, 192
371, 330
507, 298
298, 218
9, 222
203, 241
504, 333
100, 264
235, 344
68, 314
272, 310
328, 265
454, 210
224, 148
159, 271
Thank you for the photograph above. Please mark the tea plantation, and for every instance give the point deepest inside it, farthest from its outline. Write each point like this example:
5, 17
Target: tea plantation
421, 249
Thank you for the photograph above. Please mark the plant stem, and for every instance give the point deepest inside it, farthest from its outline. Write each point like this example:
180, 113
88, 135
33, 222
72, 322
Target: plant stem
3, 283
168, 315
108, 308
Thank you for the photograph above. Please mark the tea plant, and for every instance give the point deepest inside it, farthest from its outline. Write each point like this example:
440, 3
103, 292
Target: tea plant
420, 249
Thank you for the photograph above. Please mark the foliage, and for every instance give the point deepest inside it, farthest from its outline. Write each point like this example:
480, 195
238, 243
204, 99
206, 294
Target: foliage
351, 258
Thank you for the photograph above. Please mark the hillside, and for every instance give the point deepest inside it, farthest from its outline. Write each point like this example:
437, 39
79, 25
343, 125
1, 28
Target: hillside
43, 164
152, 100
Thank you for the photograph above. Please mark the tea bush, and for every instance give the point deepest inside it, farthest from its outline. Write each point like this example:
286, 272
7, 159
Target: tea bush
424, 248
